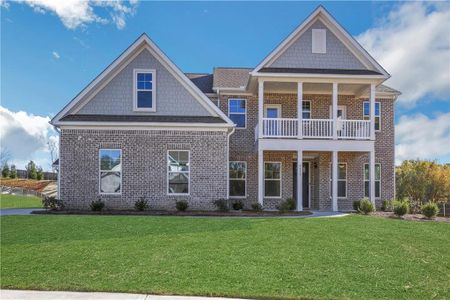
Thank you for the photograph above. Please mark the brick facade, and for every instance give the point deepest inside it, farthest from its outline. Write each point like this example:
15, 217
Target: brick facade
144, 166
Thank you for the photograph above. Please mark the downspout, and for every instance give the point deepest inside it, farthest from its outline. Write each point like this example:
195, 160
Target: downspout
228, 161
58, 191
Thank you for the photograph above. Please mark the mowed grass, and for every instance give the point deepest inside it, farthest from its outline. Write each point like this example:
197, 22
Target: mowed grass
18, 201
353, 257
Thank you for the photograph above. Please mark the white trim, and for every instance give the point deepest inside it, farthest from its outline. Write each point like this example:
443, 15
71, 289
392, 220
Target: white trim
368, 116
271, 179
100, 172
346, 180
287, 144
321, 14
165, 61
184, 172
310, 109
136, 90
277, 106
237, 179
236, 113
319, 41
368, 179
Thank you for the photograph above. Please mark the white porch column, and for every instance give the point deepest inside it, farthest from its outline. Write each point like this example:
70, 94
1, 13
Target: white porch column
372, 177
300, 110
261, 177
335, 108
334, 180
299, 180
372, 111
260, 107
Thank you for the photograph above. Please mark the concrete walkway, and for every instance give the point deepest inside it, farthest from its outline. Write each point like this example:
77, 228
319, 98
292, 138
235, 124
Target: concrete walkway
46, 295
17, 211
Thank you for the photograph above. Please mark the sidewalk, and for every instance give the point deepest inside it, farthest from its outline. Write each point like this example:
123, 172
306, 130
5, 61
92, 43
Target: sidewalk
49, 295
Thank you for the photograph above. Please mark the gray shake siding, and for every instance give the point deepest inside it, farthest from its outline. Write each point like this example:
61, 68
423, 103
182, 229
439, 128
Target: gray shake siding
299, 54
144, 166
172, 98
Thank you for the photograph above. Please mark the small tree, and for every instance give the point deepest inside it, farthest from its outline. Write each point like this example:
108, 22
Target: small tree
13, 172
39, 173
31, 170
5, 170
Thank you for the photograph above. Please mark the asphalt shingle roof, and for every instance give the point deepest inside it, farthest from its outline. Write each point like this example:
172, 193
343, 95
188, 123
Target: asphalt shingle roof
231, 77
318, 71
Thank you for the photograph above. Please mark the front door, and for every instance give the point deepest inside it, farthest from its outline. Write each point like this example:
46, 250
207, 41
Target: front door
305, 168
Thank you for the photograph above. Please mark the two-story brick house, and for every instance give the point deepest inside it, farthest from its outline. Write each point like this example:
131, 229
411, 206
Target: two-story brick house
143, 128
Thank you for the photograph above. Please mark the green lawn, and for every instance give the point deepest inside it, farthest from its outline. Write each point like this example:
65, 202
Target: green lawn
352, 257
16, 201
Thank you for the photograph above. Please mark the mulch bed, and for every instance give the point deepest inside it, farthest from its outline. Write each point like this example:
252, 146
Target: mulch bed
243, 213
410, 217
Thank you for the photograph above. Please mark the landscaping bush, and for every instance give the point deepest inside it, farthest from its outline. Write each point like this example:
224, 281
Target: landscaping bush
181, 205
257, 206
366, 206
238, 205
97, 205
386, 205
222, 204
141, 204
52, 203
430, 210
356, 205
286, 205
400, 207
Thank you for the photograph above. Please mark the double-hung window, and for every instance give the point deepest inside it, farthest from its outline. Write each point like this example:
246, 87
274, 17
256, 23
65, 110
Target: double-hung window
178, 172
144, 90
238, 177
237, 111
110, 169
366, 113
272, 179
377, 180
306, 108
341, 180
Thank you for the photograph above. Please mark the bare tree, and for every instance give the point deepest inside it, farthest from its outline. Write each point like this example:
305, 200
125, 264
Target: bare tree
5, 156
52, 145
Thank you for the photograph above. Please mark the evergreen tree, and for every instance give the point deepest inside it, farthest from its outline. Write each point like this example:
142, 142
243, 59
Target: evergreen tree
5, 170
31, 170
13, 172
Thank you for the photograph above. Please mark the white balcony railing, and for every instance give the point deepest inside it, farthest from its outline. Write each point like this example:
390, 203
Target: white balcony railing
314, 128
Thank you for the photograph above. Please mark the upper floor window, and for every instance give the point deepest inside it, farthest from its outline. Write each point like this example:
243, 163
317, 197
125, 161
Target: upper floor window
319, 41
237, 111
306, 108
144, 90
366, 112
110, 171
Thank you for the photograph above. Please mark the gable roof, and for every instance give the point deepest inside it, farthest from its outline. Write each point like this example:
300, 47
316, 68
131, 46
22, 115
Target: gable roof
143, 42
323, 15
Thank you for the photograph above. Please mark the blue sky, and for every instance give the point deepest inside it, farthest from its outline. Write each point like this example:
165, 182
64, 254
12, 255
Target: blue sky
47, 57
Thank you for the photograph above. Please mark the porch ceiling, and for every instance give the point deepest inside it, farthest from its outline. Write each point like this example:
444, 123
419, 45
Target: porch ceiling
314, 88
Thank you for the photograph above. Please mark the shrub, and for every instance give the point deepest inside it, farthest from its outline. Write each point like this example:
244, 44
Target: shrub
52, 203
238, 205
13, 172
286, 205
430, 210
222, 204
366, 206
356, 205
386, 205
400, 207
5, 170
141, 204
181, 205
257, 206
97, 205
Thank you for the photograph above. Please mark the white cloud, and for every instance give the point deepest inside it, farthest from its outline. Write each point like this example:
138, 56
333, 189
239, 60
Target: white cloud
25, 137
413, 44
418, 136
4, 4
56, 55
79, 13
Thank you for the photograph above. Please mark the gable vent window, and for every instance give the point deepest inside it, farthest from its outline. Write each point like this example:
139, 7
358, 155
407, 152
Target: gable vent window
319, 41
144, 90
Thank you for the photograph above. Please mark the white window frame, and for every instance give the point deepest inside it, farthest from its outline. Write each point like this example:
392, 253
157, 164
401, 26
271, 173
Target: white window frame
234, 113
106, 171
367, 117
245, 178
184, 172
310, 109
277, 106
136, 90
319, 41
339, 107
368, 179
346, 180
272, 179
